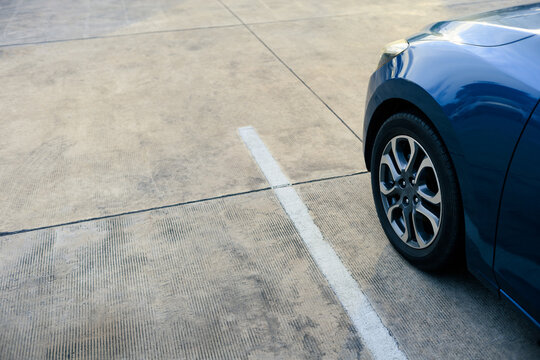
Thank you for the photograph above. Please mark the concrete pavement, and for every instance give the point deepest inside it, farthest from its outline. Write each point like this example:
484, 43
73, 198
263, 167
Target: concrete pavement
127, 113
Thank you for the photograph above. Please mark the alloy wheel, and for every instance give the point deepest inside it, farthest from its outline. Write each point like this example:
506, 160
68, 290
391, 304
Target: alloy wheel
410, 191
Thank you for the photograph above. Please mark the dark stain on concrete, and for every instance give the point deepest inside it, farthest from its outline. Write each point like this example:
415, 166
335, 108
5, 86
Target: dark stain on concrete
302, 323
311, 346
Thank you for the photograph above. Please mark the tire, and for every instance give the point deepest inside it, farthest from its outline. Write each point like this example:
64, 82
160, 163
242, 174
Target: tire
416, 193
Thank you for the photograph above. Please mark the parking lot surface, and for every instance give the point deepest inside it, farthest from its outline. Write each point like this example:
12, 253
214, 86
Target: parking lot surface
135, 223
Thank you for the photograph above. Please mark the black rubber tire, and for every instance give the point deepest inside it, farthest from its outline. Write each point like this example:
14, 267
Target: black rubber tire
446, 250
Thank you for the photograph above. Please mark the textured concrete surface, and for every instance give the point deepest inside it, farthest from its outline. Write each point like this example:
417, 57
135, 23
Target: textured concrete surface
110, 107
103, 126
223, 279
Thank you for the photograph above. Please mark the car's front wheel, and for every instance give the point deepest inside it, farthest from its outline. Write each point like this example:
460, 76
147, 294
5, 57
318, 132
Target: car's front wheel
416, 192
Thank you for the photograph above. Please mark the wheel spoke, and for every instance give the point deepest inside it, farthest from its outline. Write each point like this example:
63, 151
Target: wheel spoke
407, 223
387, 160
417, 235
390, 210
413, 156
431, 217
388, 191
398, 156
423, 191
426, 163
426, 194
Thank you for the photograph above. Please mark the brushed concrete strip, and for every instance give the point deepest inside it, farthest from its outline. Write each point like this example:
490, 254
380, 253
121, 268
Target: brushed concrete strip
433, 316
224, 279
366, 321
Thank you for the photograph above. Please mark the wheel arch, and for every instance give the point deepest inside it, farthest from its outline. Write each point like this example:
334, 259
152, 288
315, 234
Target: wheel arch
400, 95
386, 109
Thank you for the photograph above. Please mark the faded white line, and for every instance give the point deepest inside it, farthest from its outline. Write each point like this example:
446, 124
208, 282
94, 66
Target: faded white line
366, 321
262, 155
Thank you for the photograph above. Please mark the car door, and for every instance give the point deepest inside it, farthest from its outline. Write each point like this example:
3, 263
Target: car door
517, 252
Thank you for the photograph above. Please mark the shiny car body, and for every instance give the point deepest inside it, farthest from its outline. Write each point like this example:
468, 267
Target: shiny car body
476, 81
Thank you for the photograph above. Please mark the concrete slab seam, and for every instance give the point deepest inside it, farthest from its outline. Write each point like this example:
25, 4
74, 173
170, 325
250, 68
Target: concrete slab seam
164, 31
330, 178
291, 71
364, 318
190, 202
97, 37
8, 233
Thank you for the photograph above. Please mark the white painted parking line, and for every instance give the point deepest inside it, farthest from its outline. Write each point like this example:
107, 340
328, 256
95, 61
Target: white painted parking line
366, 321
262, 155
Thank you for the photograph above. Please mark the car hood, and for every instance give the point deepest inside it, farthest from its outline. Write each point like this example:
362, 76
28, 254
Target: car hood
494, 28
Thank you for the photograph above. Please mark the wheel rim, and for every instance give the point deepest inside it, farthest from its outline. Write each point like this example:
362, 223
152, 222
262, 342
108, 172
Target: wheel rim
410, 192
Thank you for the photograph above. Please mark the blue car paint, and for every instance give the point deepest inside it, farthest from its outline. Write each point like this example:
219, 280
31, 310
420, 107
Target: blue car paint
479, 99
478, 34
517, 251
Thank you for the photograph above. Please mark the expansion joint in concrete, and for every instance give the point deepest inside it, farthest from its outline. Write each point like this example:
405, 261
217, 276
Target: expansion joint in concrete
6, 233
291, 71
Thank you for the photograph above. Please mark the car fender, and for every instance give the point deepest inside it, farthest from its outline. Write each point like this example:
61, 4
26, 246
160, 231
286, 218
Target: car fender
408, 91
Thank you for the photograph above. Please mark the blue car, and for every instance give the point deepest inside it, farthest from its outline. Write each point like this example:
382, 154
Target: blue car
452, 140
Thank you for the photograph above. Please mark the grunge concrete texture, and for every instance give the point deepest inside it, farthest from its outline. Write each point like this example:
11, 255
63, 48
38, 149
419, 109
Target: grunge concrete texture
208, 280
111, 107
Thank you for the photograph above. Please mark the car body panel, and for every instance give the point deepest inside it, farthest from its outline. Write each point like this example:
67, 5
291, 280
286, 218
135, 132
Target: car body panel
518, 245
494, 28
465, 32
523, 17
479, 99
